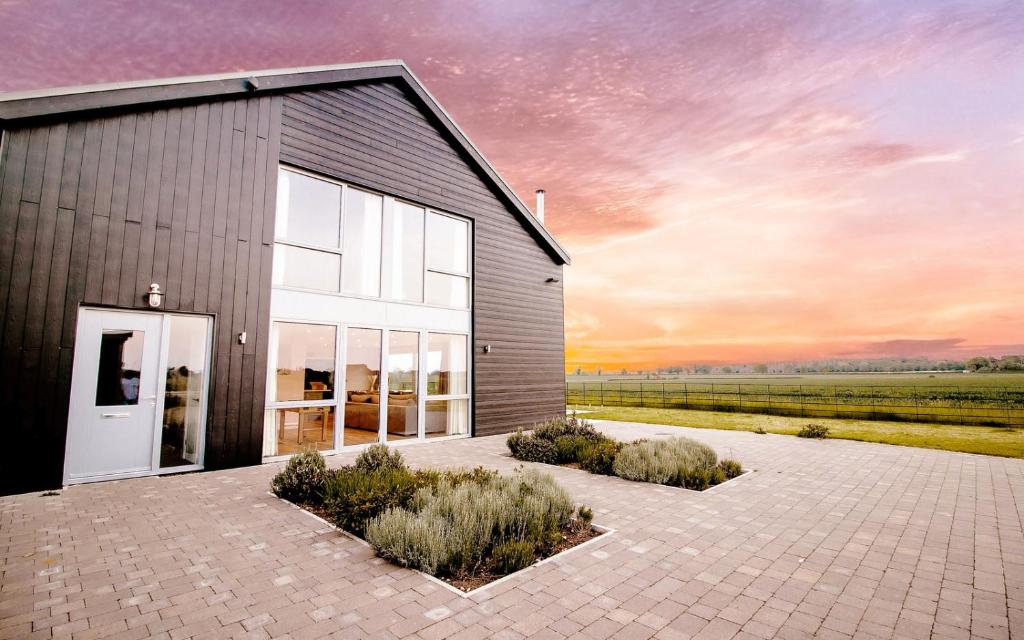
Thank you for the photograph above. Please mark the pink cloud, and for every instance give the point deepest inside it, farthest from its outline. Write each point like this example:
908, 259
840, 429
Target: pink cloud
734, 179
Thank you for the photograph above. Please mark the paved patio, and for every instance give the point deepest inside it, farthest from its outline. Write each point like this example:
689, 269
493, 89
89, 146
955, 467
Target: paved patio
829, 539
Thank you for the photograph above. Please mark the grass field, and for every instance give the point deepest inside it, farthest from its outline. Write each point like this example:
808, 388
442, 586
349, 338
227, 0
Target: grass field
993, 441
948, 398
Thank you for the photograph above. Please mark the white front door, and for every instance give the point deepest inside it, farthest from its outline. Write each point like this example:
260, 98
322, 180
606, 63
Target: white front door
113, 393
138, 394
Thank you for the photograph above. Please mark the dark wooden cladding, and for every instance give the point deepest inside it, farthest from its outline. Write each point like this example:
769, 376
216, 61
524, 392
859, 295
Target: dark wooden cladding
91, 212
376, 136
99, 197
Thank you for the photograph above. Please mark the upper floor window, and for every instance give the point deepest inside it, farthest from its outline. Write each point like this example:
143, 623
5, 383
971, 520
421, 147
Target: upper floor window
337, 238
447, 261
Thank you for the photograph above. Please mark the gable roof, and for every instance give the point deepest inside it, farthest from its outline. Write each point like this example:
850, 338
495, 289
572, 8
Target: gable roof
16, 107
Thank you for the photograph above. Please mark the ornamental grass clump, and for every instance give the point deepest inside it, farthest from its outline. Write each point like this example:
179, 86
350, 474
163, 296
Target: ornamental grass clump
379, 456
353, 496
559, 440
454, 530
675, 461
813, 431
571, 426
599, 457
302, 479
529, 448
730, 468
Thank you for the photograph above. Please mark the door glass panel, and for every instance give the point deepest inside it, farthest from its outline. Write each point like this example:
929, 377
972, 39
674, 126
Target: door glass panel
447, 418
306, 268
300, 428
308, 210
360, 272
407, 253
362, 386
447, 291
403, 354
305, 362
446, 364
185, 382
120, 367
447, 243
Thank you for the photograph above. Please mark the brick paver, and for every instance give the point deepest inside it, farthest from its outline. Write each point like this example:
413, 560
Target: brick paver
829, 539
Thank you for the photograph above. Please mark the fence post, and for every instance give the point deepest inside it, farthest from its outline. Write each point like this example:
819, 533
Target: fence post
713, 404
739, 396
800, 392
662, 395
641, 394
917, 407
620, 395
686, 397
769, 388
601, 391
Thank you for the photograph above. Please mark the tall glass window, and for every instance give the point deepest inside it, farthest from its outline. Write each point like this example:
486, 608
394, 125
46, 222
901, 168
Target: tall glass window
406, 253
308, 210
362, 386
447, 261
336, 238
303, 386
403, 375
360, 273
307, 227
447, 364
447, 407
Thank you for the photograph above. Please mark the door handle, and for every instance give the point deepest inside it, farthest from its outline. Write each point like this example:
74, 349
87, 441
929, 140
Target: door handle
116, 415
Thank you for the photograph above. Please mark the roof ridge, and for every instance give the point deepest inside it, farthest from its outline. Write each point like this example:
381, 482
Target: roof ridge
200, 77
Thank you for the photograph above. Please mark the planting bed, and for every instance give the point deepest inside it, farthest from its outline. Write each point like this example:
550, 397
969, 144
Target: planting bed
570, 441
467, 528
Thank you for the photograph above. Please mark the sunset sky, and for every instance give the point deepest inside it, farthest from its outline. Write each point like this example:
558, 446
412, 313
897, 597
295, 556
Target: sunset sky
736, 181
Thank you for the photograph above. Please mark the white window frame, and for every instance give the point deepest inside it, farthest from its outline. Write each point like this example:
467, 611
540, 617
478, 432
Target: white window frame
467, 396
468, 274
340, 364
387, 212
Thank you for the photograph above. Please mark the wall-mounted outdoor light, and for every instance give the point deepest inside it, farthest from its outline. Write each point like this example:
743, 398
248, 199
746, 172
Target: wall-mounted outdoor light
155, 297
552, 279
487, 348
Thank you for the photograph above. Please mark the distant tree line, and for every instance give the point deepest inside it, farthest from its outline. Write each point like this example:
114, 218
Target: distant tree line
980, 364
1006, 363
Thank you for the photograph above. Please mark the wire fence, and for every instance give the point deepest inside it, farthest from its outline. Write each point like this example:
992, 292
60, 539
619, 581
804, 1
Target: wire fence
983, 406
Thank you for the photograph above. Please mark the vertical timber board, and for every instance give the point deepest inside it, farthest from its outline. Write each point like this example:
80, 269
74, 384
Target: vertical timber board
94, 209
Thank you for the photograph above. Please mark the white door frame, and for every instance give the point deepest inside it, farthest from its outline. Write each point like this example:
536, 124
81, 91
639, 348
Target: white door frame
164, 346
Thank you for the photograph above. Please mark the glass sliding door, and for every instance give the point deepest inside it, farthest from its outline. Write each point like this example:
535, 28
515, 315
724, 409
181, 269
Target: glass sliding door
302, 392
362, 386
403, 375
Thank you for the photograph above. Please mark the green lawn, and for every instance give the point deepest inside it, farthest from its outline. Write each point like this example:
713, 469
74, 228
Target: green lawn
993, 441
